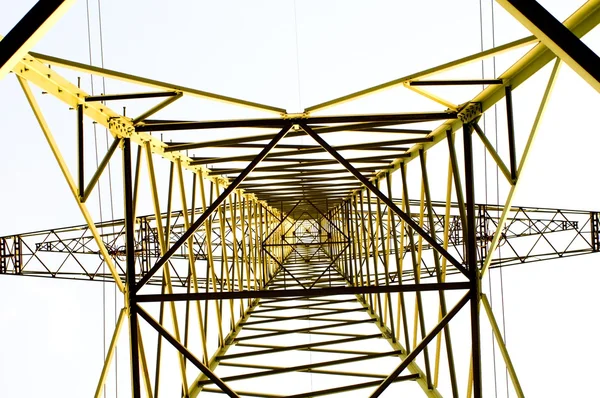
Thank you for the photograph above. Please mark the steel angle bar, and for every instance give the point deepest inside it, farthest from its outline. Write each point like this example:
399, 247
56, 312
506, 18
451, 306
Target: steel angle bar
206, 214
391, 118
92, 183
188, 355
454, 82
442, 296
488, 145
333, 261
110, 353
326, 291
471, 246
157, 108
264, 242
80, 152
130, 262
126, 77
557, 37
524, 157
70, 181
427, 72
385, 199
414, 353
328, 219
117, 97
267, 349
26, 33
284, 269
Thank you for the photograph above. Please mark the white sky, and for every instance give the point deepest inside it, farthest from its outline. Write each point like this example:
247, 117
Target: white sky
51, 331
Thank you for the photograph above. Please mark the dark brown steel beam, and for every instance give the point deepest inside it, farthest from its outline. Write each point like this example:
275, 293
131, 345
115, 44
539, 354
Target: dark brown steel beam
116, 97
455, 82
395, 117
27, 31
327, 291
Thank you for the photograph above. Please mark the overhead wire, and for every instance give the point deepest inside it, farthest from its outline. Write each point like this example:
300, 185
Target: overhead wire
498, 193
99, 186
297, 56
110, 189
89, 38
497, 180
486, 186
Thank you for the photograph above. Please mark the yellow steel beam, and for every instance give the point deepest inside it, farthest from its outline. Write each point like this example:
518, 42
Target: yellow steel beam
558, 39
163, 249
580, 23
29, 30
50, 81
109, 354
433, 97
144, 365
129, 78
496, 330
71, 182
191, 255
513, 188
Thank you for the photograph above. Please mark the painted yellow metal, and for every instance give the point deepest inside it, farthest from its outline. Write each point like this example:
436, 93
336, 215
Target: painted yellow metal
500, 341
210, 260
428, 72
260, 221
35, 37
109, 354
433, 97
191, 256
224, 259
488, 145
71, 183
524, 156
163, 249
551, 44
144, 365
580, 23
438, 344
129, 78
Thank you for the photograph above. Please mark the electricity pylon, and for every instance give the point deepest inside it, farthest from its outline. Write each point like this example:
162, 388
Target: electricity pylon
292, 250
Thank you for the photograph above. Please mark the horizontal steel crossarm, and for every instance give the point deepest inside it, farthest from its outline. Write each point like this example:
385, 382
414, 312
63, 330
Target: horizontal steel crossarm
50, 81
279, 122
317, 393
328, 291
321, 371
275, 318
414, 353
263, 137
427, 72
580, 23
116, 97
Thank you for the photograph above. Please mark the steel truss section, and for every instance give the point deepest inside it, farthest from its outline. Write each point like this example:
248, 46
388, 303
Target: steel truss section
285, 250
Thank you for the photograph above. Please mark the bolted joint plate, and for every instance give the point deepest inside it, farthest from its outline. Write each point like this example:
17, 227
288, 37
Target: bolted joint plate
121, 127
469, 112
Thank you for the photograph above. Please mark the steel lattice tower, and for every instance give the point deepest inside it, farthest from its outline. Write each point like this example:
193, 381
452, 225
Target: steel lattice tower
285, 251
